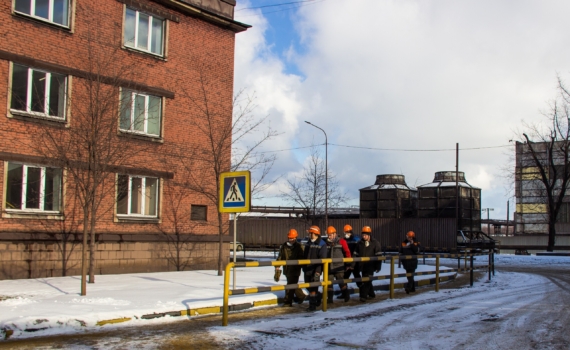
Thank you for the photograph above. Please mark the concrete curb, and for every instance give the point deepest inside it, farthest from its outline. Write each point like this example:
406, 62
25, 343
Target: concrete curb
239, 307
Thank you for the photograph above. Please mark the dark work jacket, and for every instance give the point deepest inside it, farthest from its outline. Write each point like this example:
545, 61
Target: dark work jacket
294, 252
352, 241
373, 249
337, 249
315, 250
409, 249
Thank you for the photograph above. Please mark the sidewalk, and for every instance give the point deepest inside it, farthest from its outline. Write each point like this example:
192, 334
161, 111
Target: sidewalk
47, 306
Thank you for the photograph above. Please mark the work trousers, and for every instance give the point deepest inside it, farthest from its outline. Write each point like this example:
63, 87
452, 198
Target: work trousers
411, 285
292, 292
309, 277
367, 289
336, 276
355, 272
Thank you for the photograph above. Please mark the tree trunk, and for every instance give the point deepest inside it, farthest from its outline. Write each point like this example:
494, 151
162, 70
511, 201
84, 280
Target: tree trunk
84, 251
551, 235
92, 245
64, 255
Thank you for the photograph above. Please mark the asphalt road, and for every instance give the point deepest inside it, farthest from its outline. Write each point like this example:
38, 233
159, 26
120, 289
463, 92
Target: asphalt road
526, 317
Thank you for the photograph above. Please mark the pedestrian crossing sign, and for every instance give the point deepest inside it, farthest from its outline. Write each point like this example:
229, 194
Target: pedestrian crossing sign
235, 192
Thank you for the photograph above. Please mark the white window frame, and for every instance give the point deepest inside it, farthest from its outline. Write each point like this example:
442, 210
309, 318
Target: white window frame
143, 202
131, 129
29, 92
50, 13
24, 190
149, 39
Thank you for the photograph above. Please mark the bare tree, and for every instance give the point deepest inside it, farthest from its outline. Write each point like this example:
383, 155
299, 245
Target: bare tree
177, 223
213, 158
543, 168
232, 134
64, 233
308, 189
89, 149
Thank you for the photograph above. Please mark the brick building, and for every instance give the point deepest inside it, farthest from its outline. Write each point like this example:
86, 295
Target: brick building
123, 86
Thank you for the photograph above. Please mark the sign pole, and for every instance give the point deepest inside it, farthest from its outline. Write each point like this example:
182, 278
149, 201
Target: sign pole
234, 197
235, 247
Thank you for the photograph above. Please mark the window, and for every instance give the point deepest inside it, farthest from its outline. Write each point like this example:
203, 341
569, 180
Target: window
144, 32
137, 196
33, 188
140, 113
54, 11
198, 213
37, 92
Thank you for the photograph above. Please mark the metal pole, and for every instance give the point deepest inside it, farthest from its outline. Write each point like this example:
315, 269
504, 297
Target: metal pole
471, 270
392, 276
326, 174
493, 260
235, 247
488, 223
225, 308
325, 285
437, 273
457, 223
507, 231
489, 267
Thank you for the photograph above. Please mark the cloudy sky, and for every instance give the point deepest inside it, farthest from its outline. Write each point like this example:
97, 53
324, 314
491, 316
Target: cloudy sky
402, 75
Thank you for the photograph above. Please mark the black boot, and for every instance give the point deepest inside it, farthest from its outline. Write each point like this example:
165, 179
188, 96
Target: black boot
346, 295
318, 299
330, 294
312, 303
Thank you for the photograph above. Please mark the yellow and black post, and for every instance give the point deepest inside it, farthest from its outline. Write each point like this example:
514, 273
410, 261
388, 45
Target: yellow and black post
392, 277
226, 294
471, 270
325, 285
437, 273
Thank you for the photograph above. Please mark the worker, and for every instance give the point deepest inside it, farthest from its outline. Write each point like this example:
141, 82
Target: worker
351, 268
368, 247
314, 249
337, 248
291, 250
410, 247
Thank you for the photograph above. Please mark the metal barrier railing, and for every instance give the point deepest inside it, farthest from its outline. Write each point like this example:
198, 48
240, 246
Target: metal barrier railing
326, 282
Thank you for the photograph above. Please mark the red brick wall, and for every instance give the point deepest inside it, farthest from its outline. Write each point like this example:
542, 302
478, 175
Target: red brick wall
199, 57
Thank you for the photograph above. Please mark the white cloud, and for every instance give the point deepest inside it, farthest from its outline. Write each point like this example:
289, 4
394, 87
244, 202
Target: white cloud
409, 75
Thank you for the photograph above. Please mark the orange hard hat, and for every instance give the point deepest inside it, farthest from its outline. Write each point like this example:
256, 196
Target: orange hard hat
292, 233
347, 228
366, 229
314, 230
331, 230
411, 234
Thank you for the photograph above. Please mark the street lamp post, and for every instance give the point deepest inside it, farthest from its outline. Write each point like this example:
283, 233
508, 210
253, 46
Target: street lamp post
488, 223
326, 175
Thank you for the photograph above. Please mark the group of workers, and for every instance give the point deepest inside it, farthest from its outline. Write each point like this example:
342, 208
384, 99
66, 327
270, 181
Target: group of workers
335, 247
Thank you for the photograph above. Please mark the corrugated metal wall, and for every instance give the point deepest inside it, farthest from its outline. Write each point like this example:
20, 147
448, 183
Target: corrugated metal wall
434, 233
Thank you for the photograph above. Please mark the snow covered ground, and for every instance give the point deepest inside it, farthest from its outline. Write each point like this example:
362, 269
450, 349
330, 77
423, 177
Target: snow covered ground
513, 310
47, 306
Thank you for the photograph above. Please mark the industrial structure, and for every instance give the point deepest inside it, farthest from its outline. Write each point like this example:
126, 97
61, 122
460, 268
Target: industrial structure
389, 197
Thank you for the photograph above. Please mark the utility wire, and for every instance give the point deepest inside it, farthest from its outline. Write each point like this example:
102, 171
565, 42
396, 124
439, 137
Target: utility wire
293, 5
274, 5
388, 149
419, 150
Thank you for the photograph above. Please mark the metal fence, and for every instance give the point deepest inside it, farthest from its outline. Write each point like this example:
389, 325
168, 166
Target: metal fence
392, 276
434, 234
